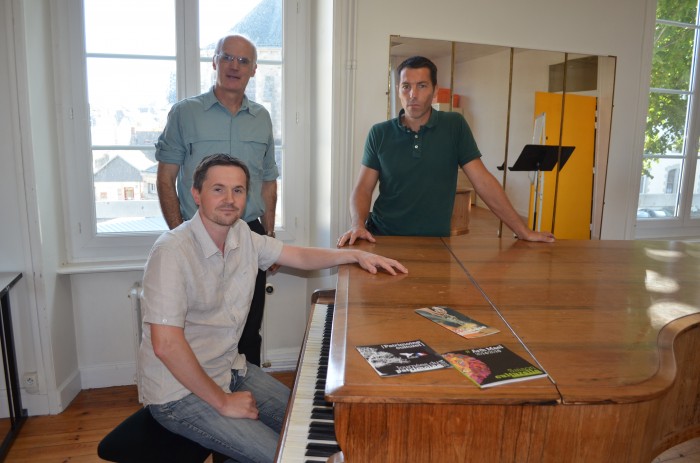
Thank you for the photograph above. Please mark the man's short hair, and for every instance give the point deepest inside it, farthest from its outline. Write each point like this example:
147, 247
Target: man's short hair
417, 62
222, 40
200, 173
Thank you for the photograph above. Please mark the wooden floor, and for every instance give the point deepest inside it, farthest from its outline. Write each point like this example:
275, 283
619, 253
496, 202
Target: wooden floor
73, 435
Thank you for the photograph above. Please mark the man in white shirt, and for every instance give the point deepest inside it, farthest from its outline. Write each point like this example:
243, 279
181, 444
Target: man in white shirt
198, 283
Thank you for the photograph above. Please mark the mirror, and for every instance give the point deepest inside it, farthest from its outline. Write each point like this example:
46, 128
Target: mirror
515, 97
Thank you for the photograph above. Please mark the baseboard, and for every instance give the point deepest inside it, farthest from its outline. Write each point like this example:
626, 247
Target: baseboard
281, 360
64, 394
116, 374
54, 401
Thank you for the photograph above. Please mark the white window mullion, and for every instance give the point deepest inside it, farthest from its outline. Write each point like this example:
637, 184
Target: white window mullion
690, 151
188, 48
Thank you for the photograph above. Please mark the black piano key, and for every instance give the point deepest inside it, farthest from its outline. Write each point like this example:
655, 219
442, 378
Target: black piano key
321, 426
328, 433
322, 436
322, 413
320, 399
321, 450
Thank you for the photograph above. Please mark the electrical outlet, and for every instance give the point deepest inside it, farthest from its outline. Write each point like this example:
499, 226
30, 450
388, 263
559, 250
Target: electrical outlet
30, 381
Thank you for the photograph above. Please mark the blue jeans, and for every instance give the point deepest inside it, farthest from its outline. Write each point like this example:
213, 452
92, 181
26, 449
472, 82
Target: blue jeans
242, 439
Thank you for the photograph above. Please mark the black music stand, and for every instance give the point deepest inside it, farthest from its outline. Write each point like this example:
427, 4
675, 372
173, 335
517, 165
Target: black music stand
540, 158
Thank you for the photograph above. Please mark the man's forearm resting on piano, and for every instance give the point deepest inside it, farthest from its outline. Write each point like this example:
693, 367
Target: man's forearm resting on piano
318, 258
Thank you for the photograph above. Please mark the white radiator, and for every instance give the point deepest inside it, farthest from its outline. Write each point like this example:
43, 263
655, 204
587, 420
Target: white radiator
135, 295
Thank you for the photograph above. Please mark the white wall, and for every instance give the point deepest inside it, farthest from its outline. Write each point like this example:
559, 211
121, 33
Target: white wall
77, 329
15, 254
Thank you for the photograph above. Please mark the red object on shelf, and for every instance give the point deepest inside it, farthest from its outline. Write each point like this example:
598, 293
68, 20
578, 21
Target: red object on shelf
442, 95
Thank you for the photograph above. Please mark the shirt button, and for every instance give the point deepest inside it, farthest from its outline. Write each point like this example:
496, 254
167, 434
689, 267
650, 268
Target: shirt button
416, 136
415, 146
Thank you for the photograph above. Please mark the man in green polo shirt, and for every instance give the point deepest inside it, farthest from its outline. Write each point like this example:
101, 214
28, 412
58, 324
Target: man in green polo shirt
414, 157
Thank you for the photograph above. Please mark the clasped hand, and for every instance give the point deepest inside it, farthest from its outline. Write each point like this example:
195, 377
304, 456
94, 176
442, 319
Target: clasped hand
239, 405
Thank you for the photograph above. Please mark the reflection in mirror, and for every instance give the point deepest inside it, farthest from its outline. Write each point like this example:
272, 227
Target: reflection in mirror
513, 97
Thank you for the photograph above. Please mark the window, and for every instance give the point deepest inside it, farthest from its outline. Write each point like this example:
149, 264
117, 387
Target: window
670, 161
120, 85
671, 181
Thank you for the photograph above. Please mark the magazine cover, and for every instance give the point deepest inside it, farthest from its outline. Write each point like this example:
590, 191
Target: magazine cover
456, 322
402, 358
492, 365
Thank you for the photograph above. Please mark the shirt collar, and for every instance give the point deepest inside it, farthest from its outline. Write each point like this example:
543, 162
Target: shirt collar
432, 121
208, 246
210, 100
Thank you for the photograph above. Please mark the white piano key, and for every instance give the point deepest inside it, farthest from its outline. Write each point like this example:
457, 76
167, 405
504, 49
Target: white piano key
293, 448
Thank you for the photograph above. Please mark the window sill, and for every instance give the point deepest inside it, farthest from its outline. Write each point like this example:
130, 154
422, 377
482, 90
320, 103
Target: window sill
100, 267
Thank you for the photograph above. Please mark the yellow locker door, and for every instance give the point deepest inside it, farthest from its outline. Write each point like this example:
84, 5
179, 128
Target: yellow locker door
575, 184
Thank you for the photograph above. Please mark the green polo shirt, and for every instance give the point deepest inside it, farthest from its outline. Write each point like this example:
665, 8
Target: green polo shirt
200, 126
417, 173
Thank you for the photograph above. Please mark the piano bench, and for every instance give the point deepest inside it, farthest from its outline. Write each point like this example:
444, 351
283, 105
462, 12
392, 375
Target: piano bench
141, 439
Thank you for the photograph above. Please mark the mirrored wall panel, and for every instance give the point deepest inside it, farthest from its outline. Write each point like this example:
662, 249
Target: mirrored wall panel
543, 115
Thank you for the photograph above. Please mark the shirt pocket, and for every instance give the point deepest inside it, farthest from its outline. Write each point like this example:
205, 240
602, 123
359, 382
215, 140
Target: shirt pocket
251, 149
202, 147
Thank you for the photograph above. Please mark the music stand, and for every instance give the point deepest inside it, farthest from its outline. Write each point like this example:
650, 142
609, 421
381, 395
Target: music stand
538, 159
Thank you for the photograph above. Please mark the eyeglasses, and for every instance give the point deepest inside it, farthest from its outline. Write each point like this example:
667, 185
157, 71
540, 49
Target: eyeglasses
242, 60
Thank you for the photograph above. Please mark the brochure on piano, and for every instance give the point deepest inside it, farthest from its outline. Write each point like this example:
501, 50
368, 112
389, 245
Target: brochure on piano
492, 365
402, 357
456, 322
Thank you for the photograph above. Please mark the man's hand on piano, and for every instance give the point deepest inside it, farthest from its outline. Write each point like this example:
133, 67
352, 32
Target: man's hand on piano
371, 262
354, 234
530, 235
239, 405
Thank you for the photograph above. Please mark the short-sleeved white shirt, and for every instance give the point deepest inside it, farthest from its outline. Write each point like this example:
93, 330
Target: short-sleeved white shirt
189, 283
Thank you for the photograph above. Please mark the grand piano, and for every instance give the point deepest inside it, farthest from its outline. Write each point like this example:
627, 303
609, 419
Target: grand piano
615, 324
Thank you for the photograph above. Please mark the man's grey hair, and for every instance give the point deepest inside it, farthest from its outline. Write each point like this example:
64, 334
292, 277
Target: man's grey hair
222, 40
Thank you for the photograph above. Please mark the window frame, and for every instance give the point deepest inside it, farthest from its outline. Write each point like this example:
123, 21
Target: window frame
682, 224
83, 244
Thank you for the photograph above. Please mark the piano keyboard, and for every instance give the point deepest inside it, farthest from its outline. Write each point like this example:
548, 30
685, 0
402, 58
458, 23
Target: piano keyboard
309, 435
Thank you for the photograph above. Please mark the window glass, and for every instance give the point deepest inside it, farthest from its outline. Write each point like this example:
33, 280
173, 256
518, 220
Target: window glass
660, 196
136, 116
684, 11
673, 57
132, 84
695, 202
665, 131
107, 27
669, 161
